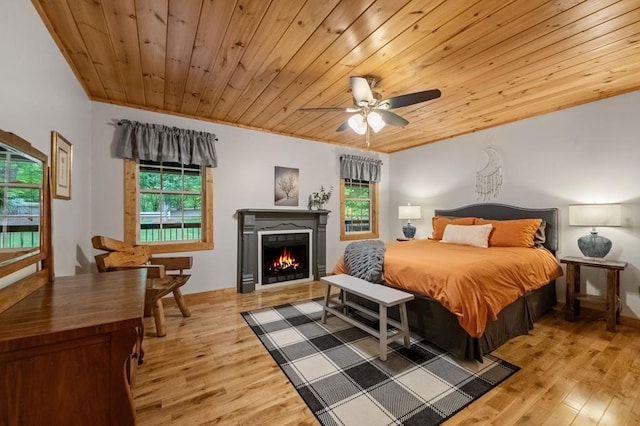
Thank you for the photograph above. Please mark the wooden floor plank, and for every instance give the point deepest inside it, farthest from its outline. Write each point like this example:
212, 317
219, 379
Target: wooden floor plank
212, 369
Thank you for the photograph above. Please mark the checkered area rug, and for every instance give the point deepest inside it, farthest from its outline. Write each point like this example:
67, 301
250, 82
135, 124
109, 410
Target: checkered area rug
336, 369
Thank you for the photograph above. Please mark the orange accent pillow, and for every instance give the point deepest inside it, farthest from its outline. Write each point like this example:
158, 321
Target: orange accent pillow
441, 222
511, 233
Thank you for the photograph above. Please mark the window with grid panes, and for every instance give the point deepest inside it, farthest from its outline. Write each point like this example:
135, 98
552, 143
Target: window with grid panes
170, 207
359, 209
20, 200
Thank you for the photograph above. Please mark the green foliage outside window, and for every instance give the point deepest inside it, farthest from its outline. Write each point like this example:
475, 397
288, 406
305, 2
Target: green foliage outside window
20, 197
20, 172
170, 197
357, 206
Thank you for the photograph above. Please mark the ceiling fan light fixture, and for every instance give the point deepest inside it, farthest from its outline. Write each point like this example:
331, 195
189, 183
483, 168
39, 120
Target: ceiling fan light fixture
369, 111
357, 123
375, 121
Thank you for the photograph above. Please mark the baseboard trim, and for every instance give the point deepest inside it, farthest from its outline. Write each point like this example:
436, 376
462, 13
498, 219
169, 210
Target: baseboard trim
630, 322
626, 321
201, 296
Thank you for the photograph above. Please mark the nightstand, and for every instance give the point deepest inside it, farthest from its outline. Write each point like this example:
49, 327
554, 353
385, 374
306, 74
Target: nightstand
609, 304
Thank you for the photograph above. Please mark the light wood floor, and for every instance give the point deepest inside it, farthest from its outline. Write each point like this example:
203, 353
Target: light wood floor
211, 369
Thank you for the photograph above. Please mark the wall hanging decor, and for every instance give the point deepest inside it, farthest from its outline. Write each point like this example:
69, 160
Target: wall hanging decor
286, 186
489, 179
61, 162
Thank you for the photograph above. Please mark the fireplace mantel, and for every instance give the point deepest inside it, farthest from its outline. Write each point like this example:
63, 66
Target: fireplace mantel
250, 221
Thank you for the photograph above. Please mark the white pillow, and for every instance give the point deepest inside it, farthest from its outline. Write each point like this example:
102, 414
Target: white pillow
471, 235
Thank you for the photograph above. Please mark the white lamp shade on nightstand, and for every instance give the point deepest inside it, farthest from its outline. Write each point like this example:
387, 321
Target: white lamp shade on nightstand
409, 212
594, 245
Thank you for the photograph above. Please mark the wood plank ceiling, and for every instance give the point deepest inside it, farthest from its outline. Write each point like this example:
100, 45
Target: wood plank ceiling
255, 63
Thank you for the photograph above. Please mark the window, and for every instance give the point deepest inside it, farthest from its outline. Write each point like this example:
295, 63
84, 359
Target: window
168, 206
20, 200
358, 209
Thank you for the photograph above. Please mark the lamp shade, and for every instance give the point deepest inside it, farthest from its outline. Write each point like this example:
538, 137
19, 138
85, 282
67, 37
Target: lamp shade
409, 212
595, 215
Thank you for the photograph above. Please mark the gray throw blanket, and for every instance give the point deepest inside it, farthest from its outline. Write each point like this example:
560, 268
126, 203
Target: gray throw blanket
364, 260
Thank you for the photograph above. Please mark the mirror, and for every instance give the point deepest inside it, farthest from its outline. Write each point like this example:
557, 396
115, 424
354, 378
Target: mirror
23, 226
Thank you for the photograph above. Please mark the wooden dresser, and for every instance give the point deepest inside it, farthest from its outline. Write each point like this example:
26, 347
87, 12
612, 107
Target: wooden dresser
68, 351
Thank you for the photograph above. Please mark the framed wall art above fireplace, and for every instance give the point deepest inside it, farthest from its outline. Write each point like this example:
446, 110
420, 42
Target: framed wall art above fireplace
285, 191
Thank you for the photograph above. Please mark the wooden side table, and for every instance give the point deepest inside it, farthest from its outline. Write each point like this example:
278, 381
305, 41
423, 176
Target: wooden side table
609, 304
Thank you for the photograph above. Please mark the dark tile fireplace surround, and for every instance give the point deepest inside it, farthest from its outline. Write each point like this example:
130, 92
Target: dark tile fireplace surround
251, 221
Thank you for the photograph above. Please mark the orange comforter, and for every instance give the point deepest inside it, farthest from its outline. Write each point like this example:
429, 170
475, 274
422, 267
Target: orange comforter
473, 283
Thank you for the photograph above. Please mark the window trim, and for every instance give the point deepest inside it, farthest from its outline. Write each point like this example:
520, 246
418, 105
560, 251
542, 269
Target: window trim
347, 236
131, 214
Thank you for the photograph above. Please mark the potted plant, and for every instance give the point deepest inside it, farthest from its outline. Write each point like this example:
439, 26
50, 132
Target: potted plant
318, 200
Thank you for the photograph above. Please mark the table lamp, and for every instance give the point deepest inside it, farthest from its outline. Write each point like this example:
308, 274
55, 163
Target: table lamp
594, 245
409, 212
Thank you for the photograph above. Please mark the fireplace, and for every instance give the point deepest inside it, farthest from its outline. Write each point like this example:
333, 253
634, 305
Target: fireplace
284, 257
256, 224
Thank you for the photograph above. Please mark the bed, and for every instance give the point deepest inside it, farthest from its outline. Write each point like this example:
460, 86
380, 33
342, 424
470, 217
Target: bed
436, 323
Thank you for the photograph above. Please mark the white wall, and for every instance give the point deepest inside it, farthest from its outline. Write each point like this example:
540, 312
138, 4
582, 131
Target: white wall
244, 178
584, 154
39, 93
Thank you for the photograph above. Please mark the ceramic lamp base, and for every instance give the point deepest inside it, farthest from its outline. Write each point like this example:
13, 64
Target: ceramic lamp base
594, 245
409, 230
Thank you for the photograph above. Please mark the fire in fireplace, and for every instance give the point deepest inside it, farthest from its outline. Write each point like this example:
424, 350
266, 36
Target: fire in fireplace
286, 256
285, 262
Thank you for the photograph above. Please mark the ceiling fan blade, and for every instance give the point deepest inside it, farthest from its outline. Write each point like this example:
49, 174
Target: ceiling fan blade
392, 118
410, 99
361, 91
327, 109
344, 126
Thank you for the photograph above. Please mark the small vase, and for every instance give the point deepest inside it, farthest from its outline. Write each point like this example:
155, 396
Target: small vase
320, 206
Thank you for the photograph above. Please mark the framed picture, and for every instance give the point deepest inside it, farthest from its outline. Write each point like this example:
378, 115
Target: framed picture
61, 162
286, 186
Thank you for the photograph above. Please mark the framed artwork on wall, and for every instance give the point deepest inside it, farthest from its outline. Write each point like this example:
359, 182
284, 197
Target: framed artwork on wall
61, 164
286, 186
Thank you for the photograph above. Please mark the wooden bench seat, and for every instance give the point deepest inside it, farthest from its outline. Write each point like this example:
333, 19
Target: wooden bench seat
384, 296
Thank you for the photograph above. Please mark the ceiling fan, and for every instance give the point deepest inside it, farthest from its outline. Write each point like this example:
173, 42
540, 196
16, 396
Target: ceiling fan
370, 111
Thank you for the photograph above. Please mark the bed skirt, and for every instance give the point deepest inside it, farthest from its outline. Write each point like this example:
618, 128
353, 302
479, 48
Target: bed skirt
430, 320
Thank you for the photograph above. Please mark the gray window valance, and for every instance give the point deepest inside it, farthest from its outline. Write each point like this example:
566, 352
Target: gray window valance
155, 142
360, 168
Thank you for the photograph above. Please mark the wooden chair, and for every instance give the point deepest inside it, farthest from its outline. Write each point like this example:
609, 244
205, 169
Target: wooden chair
164, 274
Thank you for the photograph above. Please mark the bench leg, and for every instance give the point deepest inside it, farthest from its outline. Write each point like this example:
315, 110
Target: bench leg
326, 304
383, 332
343, 300
158, 315
405, 325
182, 305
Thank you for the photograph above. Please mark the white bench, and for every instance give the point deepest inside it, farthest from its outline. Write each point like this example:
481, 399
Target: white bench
384, 296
